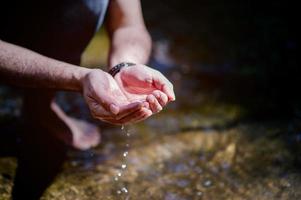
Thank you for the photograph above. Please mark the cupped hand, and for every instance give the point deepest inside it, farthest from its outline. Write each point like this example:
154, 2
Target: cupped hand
140, 82
108, 103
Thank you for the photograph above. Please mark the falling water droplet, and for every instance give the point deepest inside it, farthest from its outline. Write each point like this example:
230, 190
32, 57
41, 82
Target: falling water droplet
119, 174
124, 190
207, 183
199, 193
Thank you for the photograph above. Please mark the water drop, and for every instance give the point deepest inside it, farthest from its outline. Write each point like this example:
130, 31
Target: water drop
123, 166
116, 178
127, 145
199, 193
124, 190
122, 127
125, 154
118, 192
119, 174
207, 183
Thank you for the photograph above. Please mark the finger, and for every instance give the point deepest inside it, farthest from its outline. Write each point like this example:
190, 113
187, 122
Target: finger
113, 103
137, 116
147, 114
168, 90
111, 100
146, 105
153, 103
114, 109
144, 117
163, 84
111, 121
109, 104
161, 97
129, 109
97, 110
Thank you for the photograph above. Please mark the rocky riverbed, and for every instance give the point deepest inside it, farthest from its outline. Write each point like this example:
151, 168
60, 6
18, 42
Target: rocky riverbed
184, 160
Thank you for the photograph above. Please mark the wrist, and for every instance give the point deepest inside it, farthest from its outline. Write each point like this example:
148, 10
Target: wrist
113, 63
79, 76
116, 69
115, 59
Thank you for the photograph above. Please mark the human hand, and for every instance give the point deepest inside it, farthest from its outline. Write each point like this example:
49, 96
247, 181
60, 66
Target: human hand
107, 102
139, 82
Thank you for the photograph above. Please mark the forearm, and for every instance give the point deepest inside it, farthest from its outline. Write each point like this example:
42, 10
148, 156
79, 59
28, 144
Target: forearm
129, 44
25, 68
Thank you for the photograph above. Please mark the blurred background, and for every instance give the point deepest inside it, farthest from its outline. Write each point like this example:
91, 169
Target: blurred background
234, 131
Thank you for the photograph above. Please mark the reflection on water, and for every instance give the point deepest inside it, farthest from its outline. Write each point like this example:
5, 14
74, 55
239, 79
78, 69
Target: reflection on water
233, 133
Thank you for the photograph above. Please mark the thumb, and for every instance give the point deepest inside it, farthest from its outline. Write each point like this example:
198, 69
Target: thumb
114, 109
112, 103
113, 100
163, 84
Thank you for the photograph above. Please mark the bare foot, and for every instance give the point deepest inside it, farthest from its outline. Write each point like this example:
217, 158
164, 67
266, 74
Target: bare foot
84, 135
41, 112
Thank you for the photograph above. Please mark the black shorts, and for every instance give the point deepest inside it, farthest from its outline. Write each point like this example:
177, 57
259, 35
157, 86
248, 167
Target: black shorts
59, 29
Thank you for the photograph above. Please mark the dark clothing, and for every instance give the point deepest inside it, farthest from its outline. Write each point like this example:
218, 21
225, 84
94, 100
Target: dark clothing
59, 29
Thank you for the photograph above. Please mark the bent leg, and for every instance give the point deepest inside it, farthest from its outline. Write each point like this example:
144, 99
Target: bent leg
41, 155
40, 108
47, 131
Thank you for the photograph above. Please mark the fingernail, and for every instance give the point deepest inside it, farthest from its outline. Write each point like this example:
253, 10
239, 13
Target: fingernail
114, 109
158, 95
146, 104
138, 103
152, 99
